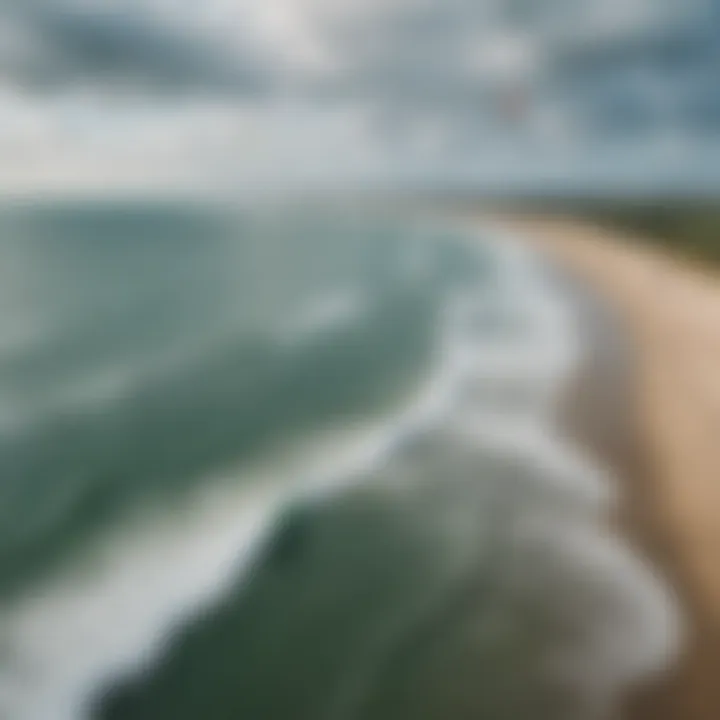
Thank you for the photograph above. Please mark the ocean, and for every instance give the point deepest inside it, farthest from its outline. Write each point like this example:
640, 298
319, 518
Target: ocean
278, 463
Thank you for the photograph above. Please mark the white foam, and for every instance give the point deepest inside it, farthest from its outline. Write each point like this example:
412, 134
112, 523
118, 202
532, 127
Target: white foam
334, 310
88, 625
83, 628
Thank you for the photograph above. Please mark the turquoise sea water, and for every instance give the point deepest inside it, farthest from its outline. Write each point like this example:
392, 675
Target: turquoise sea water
283, 464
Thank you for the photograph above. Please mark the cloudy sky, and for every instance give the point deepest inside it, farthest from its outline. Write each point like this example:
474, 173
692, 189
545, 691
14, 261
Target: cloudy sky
139, 93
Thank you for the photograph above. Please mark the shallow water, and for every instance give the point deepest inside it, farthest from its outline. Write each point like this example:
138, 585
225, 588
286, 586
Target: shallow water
292, 465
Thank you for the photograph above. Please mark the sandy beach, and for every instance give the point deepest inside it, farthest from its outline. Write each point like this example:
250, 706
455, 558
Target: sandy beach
669, 442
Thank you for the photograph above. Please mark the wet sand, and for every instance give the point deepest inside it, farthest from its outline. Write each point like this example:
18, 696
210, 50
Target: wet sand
656, 420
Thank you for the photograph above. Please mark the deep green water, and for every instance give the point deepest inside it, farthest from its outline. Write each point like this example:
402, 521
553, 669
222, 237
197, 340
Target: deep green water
280, 464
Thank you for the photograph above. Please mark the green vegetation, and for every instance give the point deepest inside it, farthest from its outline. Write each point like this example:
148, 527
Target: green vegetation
692, 229
688, 227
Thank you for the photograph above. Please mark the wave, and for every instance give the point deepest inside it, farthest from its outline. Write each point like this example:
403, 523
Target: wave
410, 451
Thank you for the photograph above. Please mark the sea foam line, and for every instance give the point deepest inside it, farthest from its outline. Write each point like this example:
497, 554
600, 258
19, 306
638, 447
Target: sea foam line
81, 630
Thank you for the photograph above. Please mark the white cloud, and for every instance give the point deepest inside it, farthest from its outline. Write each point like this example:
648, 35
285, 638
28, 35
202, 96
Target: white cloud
167, 90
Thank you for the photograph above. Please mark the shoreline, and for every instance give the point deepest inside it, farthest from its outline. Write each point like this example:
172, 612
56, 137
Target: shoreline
154, 688
598, 413
660, 454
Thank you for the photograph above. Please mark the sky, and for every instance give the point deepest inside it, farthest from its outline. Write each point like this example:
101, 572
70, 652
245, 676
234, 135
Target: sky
285, 93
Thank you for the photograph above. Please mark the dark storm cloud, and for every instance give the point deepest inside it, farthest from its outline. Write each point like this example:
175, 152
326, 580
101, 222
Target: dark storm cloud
409, 64
406, 63
66, 44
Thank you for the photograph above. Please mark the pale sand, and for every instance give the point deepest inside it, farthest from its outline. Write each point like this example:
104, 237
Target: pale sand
672, 312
